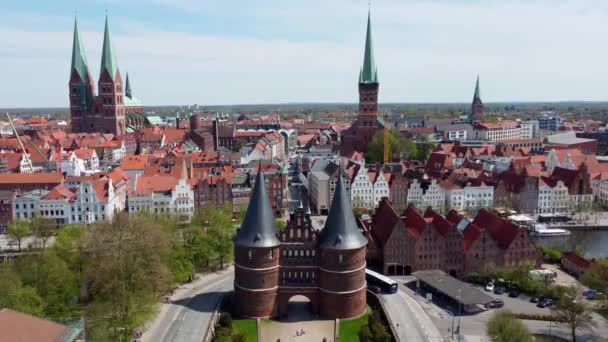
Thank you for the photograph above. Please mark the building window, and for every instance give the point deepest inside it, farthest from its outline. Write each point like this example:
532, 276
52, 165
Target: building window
340, 258
249, 254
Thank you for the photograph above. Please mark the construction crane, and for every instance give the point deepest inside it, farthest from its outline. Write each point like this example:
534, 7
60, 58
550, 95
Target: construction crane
10, 121
386, 139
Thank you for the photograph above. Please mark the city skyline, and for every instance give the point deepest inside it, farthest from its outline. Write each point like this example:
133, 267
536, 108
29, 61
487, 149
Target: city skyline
183, 52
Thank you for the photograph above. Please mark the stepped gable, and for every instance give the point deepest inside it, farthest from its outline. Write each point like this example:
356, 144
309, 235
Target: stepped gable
341, 231
258, 228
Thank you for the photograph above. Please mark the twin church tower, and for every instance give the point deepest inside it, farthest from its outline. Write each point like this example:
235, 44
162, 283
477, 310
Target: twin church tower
106, 111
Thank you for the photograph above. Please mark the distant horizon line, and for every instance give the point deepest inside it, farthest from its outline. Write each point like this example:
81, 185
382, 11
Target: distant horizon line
337, 104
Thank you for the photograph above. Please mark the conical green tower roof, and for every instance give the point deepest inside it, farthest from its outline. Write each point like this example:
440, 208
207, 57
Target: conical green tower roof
79, 59
369, 72
108, 59
477, 96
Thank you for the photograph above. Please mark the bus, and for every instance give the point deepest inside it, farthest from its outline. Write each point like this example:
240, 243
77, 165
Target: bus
387, 284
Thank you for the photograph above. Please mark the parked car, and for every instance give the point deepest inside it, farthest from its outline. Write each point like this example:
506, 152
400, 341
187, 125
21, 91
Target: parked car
490, 287
514, 293
374, 288
498, 303
537, 299
499, 290
591, 293
547, 303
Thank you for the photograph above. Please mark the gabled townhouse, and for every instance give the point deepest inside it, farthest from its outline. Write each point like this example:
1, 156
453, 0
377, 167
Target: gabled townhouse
380, 185
427, 194
519, 192
467, 194
214, 187
163, 195
398, 187
553, 196
362, 188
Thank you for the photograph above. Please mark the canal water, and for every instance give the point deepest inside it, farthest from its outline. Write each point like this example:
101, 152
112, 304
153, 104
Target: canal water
594, 243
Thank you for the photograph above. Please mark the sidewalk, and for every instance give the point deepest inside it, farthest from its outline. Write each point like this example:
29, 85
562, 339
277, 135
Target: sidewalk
153, 328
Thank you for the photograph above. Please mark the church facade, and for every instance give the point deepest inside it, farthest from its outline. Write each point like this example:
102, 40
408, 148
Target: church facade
113, 107
326, 266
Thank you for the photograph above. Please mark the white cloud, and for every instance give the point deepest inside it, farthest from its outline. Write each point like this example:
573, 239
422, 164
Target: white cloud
427, 51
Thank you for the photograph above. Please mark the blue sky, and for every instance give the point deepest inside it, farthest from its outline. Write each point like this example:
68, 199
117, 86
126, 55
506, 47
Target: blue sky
249, 51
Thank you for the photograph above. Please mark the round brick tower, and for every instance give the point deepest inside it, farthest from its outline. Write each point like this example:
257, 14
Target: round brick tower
342, 261
256, 257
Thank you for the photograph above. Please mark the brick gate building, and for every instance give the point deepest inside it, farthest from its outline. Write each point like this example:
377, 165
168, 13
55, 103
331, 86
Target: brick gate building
326, 266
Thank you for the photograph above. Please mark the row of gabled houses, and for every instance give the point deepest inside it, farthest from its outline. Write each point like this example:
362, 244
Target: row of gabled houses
408, 241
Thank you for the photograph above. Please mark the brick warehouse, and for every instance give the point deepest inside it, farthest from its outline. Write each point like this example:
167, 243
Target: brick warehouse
327, 266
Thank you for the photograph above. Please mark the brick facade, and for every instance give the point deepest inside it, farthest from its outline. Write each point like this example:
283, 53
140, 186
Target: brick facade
266, 278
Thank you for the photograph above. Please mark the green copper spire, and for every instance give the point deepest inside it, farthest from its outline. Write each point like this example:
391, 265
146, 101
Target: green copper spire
128, 88
369, 72
79, 60
477, 96
108, 60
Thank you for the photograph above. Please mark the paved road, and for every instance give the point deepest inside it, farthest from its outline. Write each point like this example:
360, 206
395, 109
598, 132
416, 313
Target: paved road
186, 319
408, 318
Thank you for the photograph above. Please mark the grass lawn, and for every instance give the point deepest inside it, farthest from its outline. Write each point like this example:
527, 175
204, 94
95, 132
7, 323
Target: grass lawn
247, 327
349, 329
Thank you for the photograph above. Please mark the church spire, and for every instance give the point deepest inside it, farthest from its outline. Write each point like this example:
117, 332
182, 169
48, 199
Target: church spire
477, 96
128, 88
108, 59
79, 60
369, 72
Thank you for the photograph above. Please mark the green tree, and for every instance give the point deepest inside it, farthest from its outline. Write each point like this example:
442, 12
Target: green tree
14, 295
572, 309
126, 273
219, 229
424, 148
504, 327
69, 246
54, 282
596, 277
398, 147
18, 230
281, 224
43, 228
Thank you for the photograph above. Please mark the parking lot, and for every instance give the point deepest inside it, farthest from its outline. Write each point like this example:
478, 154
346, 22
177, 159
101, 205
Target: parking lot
473, 327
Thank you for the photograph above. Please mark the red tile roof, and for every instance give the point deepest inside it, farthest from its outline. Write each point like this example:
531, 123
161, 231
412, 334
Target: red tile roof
501, 230
453, 216
441, 225
60, 192
133, 162
577, 260
415, 224
31, 178
384, 221
19, 327
155, 183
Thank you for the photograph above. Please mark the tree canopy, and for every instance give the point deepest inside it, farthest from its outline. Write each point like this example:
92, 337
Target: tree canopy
504, 327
